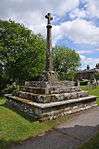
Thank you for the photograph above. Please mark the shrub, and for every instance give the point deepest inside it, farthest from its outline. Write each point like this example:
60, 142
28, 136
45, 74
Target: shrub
84, 82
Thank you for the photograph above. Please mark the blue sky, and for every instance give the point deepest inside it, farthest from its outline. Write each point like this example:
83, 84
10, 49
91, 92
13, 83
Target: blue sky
75, 24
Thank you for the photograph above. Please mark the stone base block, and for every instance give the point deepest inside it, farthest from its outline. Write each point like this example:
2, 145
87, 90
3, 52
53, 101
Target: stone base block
43, 98
51, 89
51, 110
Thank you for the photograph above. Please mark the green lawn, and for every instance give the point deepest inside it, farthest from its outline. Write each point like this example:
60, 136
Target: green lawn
14, 127
94, 142
92, 91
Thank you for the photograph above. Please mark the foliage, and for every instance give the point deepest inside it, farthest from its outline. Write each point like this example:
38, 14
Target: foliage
3, 82
92, 91
84, 82
97, 76
22, 53
12, 88
65, 62
70, 75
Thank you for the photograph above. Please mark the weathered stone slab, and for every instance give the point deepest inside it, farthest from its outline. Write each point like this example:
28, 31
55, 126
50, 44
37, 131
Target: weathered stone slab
55, 89
43, 98
35, 90
51, 104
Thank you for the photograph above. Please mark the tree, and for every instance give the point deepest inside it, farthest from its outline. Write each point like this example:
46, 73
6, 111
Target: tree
97, 75
65, 61
22, 53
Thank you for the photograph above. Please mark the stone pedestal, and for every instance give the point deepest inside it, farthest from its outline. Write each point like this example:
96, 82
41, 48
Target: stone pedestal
43, 100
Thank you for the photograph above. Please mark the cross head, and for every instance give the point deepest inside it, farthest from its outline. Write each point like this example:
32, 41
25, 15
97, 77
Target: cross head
49, 17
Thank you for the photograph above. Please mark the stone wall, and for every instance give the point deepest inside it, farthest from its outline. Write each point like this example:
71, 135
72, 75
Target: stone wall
49, 113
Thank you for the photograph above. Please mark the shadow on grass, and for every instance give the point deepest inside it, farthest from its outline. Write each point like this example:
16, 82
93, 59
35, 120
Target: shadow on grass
61, 138
29, 118
3, 103
4, 144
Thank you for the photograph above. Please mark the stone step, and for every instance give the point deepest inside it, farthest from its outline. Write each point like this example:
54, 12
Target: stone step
42, 98
67, 111
51, 104
36, 84
51, 90
44, 111
64, 89
35, 90
52, 83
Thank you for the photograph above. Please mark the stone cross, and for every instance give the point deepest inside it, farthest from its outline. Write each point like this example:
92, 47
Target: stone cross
49, 43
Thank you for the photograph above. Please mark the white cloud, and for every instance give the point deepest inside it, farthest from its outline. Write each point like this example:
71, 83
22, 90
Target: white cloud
32, 12
78, 13
92, 8
88, 61
79, 30
85, 51
67, 6
82, 57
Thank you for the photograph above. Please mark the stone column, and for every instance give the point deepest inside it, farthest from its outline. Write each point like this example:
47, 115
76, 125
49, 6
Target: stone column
49, 66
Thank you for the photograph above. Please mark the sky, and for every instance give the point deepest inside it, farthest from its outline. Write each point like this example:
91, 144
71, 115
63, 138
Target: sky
75, 23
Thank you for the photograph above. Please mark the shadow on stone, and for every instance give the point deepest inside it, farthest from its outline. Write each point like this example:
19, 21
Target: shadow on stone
30, 118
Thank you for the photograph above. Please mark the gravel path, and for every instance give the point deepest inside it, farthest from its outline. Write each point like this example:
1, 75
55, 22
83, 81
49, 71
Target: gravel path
68, 135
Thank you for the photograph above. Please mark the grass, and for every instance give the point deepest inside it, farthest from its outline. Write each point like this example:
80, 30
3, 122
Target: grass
92, 91
92, 144
2, 101
15, 128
